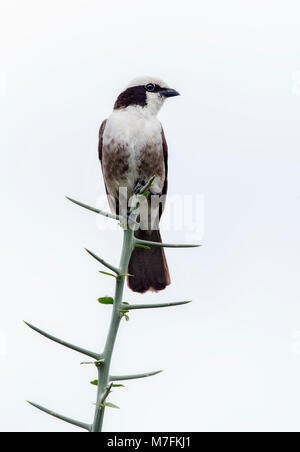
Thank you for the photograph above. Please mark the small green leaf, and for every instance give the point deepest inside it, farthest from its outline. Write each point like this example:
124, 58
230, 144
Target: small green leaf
137, 245
94, 382
124, 311
126, 318
97, 363
110, 405
106, 300
124, 302
118, 386
108, 274
146, 194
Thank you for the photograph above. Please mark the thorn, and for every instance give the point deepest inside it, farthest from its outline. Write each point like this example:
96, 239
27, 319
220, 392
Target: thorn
133, 377
103, 262
60, 416
93, 209
145, 243
156, 305
64, 343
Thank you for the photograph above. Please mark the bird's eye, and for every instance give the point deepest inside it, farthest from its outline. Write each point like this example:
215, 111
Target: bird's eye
150, 87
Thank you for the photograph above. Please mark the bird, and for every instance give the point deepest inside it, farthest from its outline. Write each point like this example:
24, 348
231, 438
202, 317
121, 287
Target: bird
132, 148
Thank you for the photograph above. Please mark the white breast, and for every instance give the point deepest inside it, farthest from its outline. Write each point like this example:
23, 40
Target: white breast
133, 129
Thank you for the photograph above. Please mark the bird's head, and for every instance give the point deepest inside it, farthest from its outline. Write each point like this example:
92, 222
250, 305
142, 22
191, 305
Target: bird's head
148, 93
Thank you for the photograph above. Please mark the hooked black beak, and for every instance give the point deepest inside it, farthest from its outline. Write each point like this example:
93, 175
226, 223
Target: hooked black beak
168, 92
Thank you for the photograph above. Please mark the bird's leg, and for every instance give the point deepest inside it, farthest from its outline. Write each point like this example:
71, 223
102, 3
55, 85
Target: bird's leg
141, 189
138, 188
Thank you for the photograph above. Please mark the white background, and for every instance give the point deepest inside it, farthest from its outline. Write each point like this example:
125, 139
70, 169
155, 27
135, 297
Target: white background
232, 357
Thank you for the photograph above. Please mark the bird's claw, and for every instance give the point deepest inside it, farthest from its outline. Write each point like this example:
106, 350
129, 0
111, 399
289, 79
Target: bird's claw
137, 189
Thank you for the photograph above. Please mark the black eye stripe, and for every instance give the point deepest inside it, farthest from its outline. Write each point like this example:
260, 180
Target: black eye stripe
135, 95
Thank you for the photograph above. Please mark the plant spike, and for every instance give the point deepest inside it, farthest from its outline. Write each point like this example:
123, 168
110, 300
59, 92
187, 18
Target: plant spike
60, 416
146, 243
145, 188
141, 191
106, 393
156, 305
64, 343
134, 377
103, 262
93, 209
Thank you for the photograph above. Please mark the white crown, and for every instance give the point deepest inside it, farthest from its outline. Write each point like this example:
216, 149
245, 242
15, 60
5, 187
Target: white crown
144, 80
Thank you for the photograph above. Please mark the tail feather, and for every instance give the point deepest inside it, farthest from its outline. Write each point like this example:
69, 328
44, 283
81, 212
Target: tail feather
148, 267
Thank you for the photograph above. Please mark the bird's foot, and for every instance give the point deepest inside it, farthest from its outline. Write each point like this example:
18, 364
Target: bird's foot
138, 188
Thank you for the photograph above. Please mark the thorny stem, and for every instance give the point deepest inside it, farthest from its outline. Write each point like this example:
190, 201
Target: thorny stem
104, 359
103, 370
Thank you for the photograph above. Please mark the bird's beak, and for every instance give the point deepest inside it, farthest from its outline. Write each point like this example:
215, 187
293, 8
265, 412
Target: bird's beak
168, 92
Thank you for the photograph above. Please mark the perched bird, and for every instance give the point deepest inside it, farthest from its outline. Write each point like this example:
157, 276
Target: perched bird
132, 149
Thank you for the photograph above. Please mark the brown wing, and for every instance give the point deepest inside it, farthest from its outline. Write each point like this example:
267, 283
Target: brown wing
101, 131
113, 204
165, 151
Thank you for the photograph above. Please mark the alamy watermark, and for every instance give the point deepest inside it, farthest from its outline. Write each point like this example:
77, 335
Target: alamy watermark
177, 213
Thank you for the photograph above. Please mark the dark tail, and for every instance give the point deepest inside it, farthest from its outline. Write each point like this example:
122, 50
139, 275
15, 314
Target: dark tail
148, 267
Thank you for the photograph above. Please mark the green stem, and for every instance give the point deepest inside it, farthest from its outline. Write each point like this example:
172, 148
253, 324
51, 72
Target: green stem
103, 370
